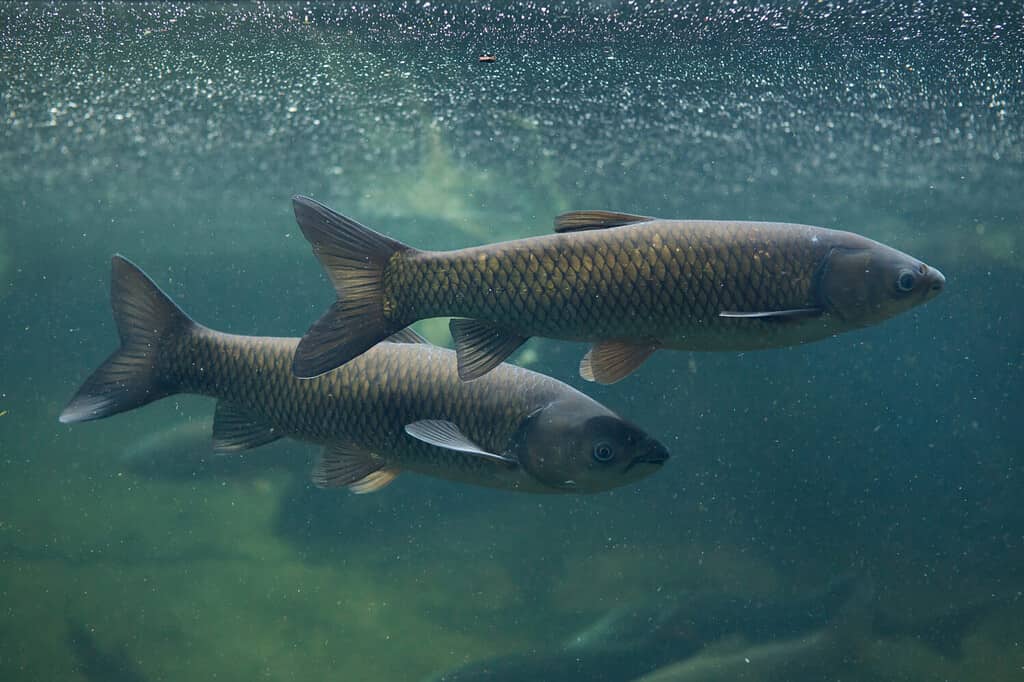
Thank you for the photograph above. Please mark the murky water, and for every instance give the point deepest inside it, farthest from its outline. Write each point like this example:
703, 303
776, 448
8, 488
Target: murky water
175, 134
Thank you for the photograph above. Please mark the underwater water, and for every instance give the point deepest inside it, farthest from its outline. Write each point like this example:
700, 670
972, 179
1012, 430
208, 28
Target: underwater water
176, 133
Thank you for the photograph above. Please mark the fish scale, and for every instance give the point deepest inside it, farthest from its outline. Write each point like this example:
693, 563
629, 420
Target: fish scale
660, 279
369, 402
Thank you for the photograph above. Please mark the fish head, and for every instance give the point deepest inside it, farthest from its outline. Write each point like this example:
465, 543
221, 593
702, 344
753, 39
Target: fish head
577, 445
863, 282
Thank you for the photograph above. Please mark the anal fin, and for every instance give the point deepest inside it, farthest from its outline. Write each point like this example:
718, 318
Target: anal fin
610, 361
341, 465
481, 346
236, 428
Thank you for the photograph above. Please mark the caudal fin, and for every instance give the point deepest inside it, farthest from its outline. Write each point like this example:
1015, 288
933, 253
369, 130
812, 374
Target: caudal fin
354, 257
146, 319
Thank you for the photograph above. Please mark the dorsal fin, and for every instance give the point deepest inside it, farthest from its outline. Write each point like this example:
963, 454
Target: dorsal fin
576, 221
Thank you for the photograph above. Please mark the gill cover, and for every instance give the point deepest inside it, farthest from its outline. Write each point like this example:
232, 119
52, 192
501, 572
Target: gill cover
844, 280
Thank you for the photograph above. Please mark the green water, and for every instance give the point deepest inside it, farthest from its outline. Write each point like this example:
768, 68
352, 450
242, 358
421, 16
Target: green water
175, 134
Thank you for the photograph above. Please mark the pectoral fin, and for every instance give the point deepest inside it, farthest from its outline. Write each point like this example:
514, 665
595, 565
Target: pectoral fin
237, 428
576, 221
445, 434
341, 465
610, 361
481, 346
777, 315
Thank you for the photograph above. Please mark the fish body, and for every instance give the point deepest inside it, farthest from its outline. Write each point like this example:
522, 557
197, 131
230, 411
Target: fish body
635, 639
400, 407
613, 665
190, 436
662, 280
628, 284
96, 663
183, 450
813, 656
823, 653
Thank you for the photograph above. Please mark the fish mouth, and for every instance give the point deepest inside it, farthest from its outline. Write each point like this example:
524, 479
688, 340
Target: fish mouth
656, 454
938, 283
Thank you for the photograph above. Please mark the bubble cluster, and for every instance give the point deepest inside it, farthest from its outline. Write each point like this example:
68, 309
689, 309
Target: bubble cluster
777, 111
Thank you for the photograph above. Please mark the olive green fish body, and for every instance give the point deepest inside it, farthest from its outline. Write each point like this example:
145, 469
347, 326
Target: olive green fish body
663, 280
400, 406
628, 284
369, 402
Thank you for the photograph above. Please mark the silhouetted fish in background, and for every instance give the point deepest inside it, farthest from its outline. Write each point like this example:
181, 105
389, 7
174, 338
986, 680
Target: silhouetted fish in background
96, 664
633, 640
629, 284
183, 450
401, 407
783, 633
820, 655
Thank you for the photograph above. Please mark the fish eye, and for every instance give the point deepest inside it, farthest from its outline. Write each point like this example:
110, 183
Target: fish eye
603, 452
905, 282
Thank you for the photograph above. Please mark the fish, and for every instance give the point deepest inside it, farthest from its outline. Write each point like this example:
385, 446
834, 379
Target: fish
183, 450
628, 284
817, 656
942, 631
712, 633
179, 449
632, 640
96, 664
400, 407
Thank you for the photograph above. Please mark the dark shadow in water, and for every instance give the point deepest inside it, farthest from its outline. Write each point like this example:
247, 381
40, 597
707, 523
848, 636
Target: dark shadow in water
629, 642
183, 451
96, 664
942, 632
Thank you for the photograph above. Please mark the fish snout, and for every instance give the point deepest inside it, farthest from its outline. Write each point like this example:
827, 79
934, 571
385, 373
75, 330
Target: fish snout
936, 283
652, 452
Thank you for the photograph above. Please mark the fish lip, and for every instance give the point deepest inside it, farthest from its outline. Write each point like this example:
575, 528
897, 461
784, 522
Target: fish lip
657, 455
938, 282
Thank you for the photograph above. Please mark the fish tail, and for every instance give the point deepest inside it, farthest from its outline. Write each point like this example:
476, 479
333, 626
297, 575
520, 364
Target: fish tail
148, 323
355, 258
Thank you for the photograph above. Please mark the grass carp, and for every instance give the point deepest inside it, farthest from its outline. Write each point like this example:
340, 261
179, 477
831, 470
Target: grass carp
399, 407
628, 284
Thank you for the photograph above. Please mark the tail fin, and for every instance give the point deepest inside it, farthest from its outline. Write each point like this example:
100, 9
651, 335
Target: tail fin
355, 258
130, 378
